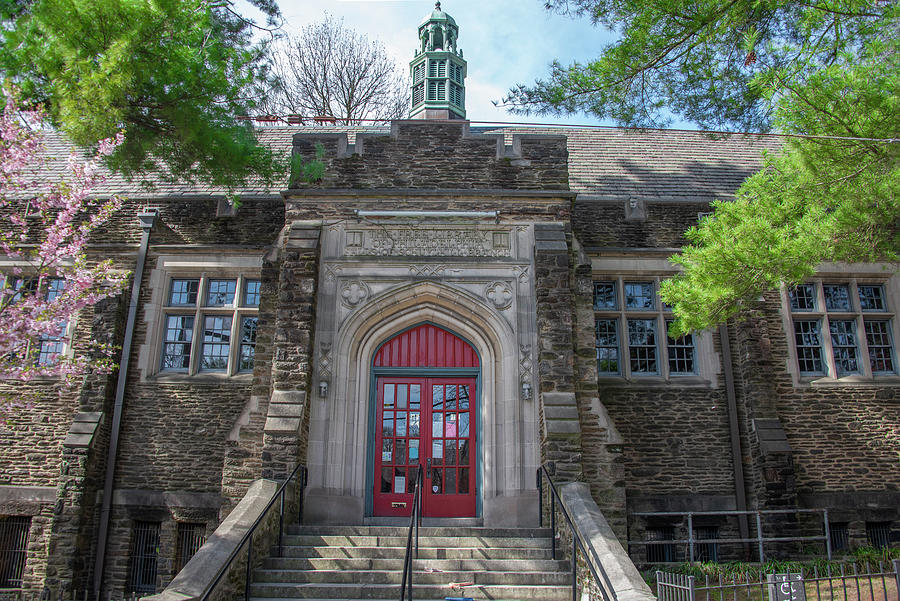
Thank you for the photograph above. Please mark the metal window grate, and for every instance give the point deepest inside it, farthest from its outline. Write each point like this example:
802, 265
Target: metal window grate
706, 551
190, 538
662, 552
840, 536
144, 555
13, 548
879, 534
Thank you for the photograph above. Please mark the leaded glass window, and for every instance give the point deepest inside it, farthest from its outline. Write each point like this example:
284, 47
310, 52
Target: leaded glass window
809, 347
681, 353
607, 346
642, 346
639, 295
844, 344
605, 295
803, 297
227, 313
881, 348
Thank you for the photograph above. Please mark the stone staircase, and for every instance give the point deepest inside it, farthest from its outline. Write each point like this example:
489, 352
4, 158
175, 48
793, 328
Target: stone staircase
366, 562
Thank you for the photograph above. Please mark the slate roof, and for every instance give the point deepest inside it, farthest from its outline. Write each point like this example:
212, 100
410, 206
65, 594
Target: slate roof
604, 163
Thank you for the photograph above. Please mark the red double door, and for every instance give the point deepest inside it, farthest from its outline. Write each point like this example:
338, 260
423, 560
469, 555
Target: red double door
428, 422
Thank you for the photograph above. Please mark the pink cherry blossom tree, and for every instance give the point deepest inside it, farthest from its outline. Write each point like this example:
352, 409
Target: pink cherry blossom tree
47, 276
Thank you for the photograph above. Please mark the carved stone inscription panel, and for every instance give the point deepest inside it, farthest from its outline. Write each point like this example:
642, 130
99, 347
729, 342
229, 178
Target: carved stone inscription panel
427, 241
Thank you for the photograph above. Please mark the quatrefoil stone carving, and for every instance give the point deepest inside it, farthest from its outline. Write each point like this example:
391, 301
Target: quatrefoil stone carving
499, 294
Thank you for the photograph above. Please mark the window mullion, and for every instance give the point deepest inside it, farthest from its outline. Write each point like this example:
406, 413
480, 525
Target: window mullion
662, 343
234, 350
828, 347
197, 342
863, 343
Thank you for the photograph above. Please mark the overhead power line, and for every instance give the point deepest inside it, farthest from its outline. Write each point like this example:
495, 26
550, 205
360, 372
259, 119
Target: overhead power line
295, 120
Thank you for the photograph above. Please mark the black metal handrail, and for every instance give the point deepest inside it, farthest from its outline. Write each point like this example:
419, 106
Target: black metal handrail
406, 582
248, 537
602, 579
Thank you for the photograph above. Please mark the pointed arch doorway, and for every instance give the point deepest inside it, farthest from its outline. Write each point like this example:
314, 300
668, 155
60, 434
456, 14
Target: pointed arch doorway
426, 413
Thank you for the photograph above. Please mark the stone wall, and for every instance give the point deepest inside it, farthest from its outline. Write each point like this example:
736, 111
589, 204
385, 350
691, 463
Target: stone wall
443, 155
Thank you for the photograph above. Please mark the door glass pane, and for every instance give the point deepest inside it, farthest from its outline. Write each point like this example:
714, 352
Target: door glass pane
414, 424
450, 485
401, 452
437, 452
464, 397
451, 425
401, 423
437, 425
411, 482
388, 423
386, 479
415, 393
399, 480
388, 396
437, 397
437, 485
401, 396
464, 481
387, 450
464, 452
413, 451
463, 425
449, 453
451, 398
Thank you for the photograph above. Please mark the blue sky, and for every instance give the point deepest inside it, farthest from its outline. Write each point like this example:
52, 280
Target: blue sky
505, 42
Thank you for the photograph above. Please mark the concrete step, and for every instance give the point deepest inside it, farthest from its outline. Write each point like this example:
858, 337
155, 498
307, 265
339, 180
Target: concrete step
423, 531
445, 565
398, 553
314, 540
421, 577
264, 591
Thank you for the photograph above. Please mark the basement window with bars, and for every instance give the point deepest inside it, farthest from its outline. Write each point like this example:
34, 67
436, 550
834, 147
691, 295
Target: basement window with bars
632, 332
660, 551
878, 534
842, 328
13, 549
189, 538
706, 551
220, 314
144, 557
839, 534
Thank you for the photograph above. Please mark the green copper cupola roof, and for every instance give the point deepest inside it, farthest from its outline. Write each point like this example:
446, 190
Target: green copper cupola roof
438, 70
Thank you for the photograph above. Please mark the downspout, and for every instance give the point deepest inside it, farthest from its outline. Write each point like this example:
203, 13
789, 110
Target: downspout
740, 493
147, 219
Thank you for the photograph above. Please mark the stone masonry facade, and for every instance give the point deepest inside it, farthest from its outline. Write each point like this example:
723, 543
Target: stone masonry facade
498, 236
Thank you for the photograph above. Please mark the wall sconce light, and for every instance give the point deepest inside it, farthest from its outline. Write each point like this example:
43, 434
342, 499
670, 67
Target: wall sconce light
526, 391
323, 388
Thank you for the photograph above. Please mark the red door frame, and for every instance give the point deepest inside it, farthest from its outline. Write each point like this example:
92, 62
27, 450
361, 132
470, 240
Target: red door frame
439, 415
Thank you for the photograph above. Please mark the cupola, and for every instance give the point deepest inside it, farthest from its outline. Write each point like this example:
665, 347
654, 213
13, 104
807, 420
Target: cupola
438, 70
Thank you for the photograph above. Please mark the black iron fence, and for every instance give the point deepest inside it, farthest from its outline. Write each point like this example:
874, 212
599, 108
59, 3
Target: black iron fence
847, 582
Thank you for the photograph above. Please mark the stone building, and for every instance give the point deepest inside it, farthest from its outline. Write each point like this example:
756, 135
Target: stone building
483, 300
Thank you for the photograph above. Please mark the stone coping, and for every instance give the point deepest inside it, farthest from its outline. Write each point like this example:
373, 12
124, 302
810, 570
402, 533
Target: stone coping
604, 549
193, 580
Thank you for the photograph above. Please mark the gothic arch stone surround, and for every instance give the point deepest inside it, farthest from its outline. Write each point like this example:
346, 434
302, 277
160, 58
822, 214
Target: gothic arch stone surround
339, 425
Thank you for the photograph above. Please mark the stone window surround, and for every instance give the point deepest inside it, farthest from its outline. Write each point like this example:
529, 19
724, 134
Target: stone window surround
209, 266
707, 364
854, 273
